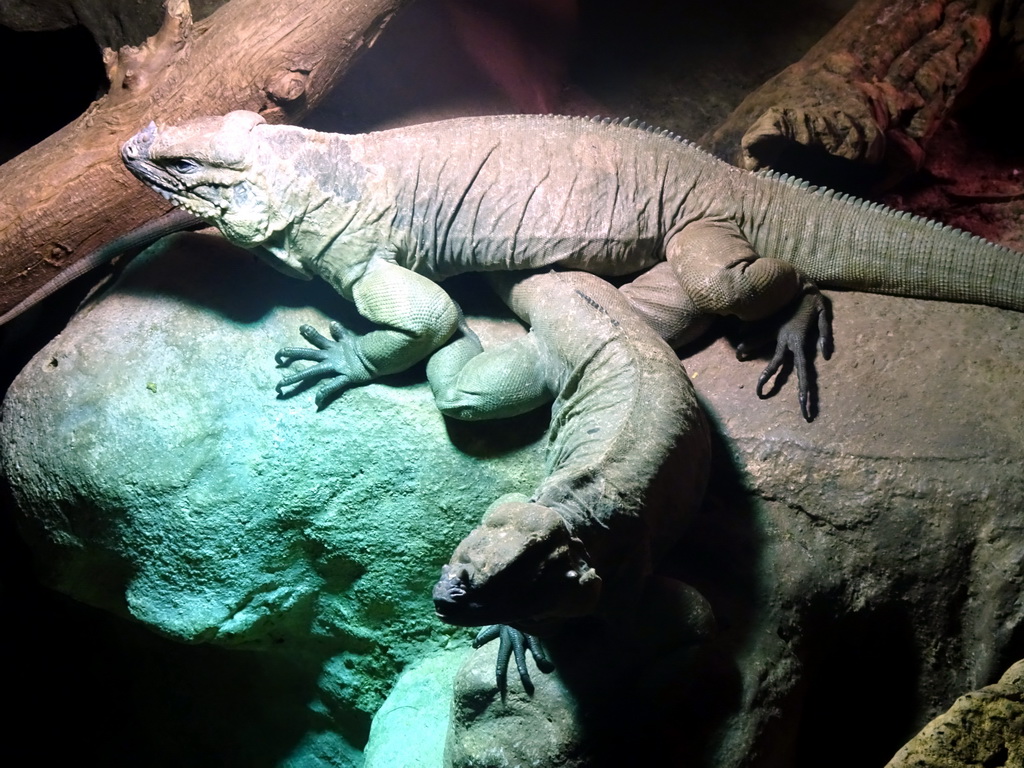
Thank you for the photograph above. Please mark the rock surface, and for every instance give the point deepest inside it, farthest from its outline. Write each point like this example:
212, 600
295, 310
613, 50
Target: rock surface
410, 727
164, 481
876, 549
490, 730
982, 728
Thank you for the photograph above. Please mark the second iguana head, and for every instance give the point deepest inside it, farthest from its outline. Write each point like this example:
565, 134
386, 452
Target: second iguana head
520, 567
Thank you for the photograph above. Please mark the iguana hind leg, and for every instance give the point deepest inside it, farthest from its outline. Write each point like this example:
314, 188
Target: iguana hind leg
660, 300
471, 384
721, 274
792, 339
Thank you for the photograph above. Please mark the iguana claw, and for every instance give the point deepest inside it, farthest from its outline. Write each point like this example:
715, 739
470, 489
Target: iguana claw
333, 357
513, 642
792, 338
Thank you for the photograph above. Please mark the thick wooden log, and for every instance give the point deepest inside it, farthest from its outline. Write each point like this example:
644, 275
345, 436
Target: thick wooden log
69, 193
875, 88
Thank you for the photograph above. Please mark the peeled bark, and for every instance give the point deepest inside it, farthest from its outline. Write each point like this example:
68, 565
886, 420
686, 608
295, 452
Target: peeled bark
69, 193
875, 88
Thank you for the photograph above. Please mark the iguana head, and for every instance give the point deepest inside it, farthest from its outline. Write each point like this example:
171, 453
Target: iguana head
521, 567
217, 168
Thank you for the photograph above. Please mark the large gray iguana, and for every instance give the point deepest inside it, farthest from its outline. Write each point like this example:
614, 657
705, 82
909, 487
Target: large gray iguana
384, 216
628, 457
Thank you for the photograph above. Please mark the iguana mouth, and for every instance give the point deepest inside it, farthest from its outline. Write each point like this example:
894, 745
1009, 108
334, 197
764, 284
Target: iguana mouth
454, 604
136, 155
448, 595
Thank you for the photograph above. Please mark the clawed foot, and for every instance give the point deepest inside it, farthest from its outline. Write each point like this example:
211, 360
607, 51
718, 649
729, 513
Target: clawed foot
512, 641
334, 357
792, 340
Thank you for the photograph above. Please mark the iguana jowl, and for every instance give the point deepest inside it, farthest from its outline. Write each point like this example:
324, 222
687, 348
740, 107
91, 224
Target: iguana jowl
382, 216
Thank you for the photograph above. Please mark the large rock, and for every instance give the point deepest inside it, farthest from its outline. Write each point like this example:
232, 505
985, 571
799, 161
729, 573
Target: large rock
162, 479
866, 568
985, 727
491, 729
873, 555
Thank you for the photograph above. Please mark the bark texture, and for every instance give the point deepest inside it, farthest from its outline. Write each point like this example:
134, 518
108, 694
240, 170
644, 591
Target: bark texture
69, 193
876, 87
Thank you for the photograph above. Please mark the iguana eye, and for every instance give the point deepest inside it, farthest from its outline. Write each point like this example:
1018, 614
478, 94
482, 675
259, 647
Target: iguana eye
183, 165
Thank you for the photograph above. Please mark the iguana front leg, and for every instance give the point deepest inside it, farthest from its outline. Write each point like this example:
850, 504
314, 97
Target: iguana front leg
722, 274
416, 317
513, 643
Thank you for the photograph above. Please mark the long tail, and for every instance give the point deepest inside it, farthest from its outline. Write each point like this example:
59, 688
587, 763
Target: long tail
173, 221
842, 241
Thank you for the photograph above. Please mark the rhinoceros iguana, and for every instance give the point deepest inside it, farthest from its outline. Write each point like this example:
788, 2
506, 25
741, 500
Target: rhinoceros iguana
383, 216
628, 457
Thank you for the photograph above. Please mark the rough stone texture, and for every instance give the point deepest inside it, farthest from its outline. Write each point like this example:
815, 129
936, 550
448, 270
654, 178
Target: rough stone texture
410, 727
595, 707
163, 480
984, 728
877, 549
493, 731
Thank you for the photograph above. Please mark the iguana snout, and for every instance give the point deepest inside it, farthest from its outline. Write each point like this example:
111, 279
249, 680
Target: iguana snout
209, 168
521, 565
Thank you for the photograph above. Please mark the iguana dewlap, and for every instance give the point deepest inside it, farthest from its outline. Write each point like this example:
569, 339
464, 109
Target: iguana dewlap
383, 216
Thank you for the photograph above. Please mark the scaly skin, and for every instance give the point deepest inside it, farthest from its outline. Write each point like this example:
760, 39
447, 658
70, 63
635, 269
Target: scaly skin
627, 460
382, 216
623, 411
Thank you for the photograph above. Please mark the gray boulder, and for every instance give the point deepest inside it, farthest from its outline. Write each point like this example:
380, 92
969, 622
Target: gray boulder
873, 553
162, 479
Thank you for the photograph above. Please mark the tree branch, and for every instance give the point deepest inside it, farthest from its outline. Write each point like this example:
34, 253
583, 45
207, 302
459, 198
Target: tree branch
69, 194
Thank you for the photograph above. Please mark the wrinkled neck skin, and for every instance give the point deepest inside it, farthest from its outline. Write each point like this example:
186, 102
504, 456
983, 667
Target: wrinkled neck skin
314, 203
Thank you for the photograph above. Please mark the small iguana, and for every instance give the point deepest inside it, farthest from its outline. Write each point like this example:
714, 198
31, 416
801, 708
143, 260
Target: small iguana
383, 216
628, 458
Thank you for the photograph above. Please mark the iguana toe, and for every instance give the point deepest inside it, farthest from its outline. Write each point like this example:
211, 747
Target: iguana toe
512, 642
792, 339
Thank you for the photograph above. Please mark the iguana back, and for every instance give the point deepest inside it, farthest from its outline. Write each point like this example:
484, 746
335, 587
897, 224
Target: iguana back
382, 216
